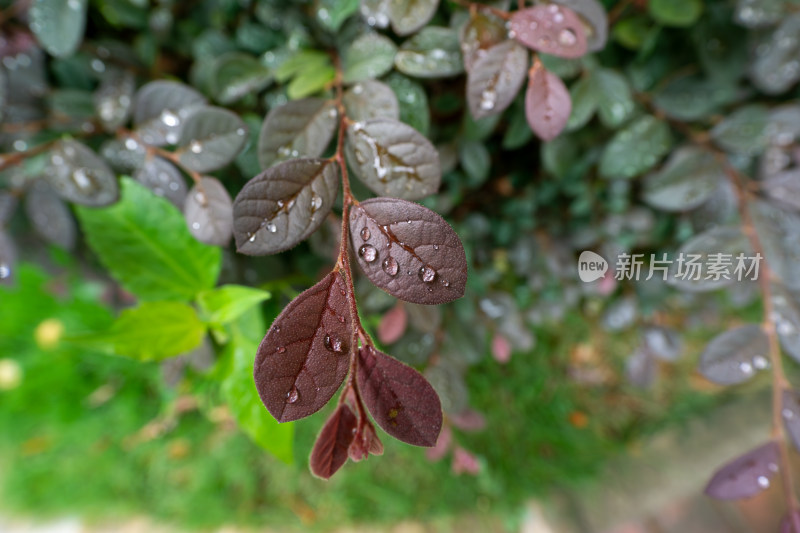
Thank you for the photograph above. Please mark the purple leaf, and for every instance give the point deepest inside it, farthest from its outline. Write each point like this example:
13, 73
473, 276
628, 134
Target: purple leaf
160, 108
211, 138
550, 29
163, 178
283, 205
408, 250
330, 449
50, 216
366, 442
747, 475
304, 355
496, 78
209, 212
399, 398
736, 355
371, 99
79, 175
393, 159
547, 103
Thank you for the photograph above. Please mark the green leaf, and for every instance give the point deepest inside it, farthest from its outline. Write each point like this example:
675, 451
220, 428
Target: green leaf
368, 57
413, 101
636, 148
310, 82
744, 131
229, 302
584, 103
476, 161
680, 13
240, 393
615, 102
309, 70
689, 177
434, 52
632, 32
58, 24
237, 75
332, 13
144, 243
151, 332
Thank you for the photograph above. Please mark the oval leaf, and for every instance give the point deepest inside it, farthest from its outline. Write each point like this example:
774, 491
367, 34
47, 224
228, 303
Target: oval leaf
58, 24
81, 176
236, 75
636, 148
393, 159
595, 20
371, 99
496, 78
370, 56
209, 212
408, 250
698, 251
408, 17
300, 128
747, 475
399, 398
163, 178
432, 53
744, 131
774, 68
211, 138
331, 447
550, 29
283, 205
113, 100
50, 216
304, 356
160, 109
736, 355
688, 178
547, 103
478, 35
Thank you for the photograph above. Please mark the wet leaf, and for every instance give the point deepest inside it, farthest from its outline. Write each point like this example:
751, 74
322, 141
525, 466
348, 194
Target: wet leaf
759, 13
209, 212
300, 128
365, 442
434, 52
330, 450
283, 205
58, 24
744, 131
160, 109
113, 100
547, 103
747, 475
375, 13
636, 148
496, 78
584, 104
370, 56
779, 231
236, 75
697, 251
790, 412
481, 32
8, 258
143, 229
775, 68
210, 139
393, 324
595, 21
736, 355
786, 318
304, 356
476, 161
408, 250
50, 216
399, 398
413, 101
615, 102
163, 178
393, 159
550, 29
229, 302
692, 98
371, 99
687, 179
409, 16
679, 13
81, 176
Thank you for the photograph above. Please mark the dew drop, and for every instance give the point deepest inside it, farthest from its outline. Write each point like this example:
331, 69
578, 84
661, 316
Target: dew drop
567, 37
271, 227
745, 367
446, 283
169, 118
292, 396
281, 349
81, 178
196, 147
390, 266
435, 246
787, 414
334, 344
316, 202
5, 271
763, 481
252, 238
760, 362
427, 274
195, 225
368, 252
365, 234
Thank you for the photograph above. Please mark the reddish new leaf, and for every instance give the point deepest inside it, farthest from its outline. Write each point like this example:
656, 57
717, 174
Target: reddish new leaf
547, 103
304, 356
496, 78
550, 29
408, 250
393, 324
747, 475
366, 442
399, 398
330, 449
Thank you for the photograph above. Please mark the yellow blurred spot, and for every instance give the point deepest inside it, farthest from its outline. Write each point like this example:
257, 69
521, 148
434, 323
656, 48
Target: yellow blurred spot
578, 419
178, 449
10, 374
48, 333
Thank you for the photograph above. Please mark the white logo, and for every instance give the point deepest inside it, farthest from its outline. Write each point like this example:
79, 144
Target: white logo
591, 266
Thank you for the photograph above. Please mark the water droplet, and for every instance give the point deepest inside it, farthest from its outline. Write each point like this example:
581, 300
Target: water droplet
271, 227
435, 246
20, 145
169, 118
365, 234
81, 178
787, 414
567, 37
5, 271
316, 202
196, 147
446, 284
241, 131
427, 274
281, 349
368, 252
358, 89
252, 238
745, 367
292, 396
763, 481
333, 344
760, 362
195, 225
131, 144
390, 266
98, 66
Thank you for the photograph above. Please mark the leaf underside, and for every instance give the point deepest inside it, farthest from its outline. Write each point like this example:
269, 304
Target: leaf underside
330, 449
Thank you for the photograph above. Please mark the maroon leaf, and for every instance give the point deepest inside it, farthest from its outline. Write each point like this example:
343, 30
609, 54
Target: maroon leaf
209, 212
304, 356
393, 324
547, 103
408, 250
442, 445
496, 78
365, 442
400, 400
550, 29
330, 449
283, 205
747, 475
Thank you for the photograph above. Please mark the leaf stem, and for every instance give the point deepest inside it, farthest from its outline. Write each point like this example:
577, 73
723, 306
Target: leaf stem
505, 15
